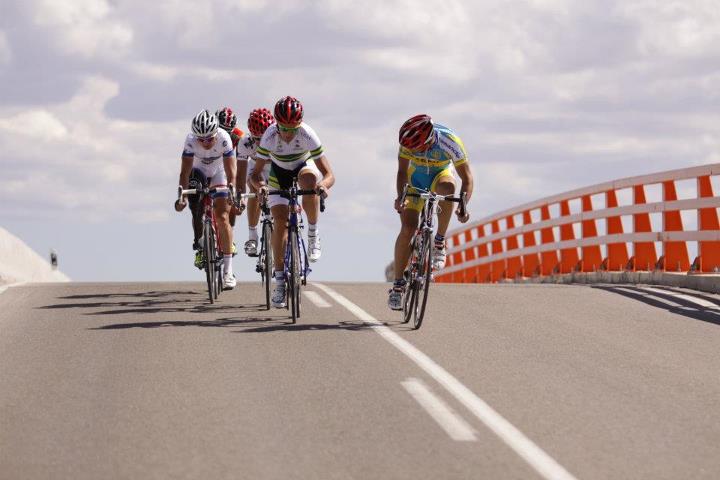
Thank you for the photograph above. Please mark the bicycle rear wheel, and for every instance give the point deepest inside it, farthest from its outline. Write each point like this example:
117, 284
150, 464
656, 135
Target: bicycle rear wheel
266, 256
209, 252
423, 279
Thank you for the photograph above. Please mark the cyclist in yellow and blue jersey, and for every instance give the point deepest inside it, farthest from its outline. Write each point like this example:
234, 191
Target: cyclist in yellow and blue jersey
428, 154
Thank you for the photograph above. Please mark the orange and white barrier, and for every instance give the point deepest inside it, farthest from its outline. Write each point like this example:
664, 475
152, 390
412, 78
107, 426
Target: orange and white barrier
529, 240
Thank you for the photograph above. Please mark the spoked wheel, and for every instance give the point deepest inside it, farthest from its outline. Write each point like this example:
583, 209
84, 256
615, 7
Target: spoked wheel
410, 295
266, 257
294, 280
423, 280
218, 269
209, 252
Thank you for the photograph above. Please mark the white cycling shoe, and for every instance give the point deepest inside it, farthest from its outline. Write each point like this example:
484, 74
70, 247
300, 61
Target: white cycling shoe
278, 295
229, 281
314, 250
439, 256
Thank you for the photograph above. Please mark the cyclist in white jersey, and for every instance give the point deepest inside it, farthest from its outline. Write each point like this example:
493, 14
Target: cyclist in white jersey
208, 159
294, 149
258, 121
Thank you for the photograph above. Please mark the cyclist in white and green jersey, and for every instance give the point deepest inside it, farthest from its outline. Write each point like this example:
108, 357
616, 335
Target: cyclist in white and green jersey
295, 150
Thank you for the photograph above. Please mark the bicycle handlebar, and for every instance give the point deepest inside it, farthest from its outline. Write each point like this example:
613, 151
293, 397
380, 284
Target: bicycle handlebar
287, 194
462, 199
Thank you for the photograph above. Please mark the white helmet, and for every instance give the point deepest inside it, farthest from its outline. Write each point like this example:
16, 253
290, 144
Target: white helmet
204, 124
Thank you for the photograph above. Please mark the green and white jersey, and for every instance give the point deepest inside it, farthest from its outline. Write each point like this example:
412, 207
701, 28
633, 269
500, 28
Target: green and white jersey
304, 146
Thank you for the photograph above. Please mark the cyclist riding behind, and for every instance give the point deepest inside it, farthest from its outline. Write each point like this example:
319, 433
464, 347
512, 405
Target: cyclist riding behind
294, 150
208, 160
258, 121
227, 120
427, 151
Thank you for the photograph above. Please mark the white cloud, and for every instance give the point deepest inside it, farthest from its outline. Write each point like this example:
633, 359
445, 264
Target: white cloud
83, 27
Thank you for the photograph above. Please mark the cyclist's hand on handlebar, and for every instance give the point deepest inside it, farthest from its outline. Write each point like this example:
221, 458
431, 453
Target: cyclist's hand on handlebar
240, 205
462, 218
399, 207
322, 191
180, 205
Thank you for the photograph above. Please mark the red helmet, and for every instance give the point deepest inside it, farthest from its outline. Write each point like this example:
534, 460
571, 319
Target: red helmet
259, 120
417, 133
289, 110
226, 118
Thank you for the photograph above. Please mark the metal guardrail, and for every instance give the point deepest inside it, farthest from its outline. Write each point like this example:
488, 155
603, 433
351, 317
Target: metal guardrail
489, 250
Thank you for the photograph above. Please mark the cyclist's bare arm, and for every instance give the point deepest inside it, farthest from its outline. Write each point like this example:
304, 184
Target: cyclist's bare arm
230, 164
328, 179
401, 180
241, 180
185, 169
466, 177
256, 177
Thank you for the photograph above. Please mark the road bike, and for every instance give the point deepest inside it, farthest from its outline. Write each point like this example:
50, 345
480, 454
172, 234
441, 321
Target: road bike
264, 264
418, 273
211, 252
297, 265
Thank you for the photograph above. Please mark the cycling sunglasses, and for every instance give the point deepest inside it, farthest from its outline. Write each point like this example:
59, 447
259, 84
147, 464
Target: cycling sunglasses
287, 129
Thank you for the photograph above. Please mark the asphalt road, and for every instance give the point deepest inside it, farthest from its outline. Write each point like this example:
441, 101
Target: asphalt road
133, 381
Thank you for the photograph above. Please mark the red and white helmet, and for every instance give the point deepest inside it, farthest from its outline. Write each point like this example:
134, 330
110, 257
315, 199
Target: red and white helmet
259, 121
289, 111
417, 133
226, 118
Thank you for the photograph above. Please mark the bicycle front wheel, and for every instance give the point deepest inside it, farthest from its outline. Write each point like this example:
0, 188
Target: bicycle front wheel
209, 252
423, 279
410, 296
294, 267
266, 256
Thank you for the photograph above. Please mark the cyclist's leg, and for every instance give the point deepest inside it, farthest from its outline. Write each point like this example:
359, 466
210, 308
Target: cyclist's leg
444, 184
308, 177
253, 213
279, 178
197, 180
409, 218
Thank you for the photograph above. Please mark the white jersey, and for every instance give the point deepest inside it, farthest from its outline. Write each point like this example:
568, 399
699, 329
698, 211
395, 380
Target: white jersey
209, 161
246, 147
304, 146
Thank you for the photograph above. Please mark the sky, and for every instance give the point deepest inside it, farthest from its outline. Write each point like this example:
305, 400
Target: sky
96, 98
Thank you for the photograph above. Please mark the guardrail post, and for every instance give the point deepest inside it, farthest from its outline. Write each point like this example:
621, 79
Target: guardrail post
497, 268
469, 274
591, 255
549, 259
457, 259
675, 254
644, 253
708, 251
617, 253
483, 271
568, 256
530, 261
514, 264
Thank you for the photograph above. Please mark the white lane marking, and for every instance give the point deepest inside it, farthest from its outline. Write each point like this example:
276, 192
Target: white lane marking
697, 301
315, 298
453, 424
543, 463
646, 295
5, 287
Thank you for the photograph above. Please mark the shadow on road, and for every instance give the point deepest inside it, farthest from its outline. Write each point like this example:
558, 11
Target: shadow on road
220, 322
152, 303
686, 308
300, 327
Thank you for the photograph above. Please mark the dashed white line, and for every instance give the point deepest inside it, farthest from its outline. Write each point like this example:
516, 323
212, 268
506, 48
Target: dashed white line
543, 463
453, 424
315, 298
